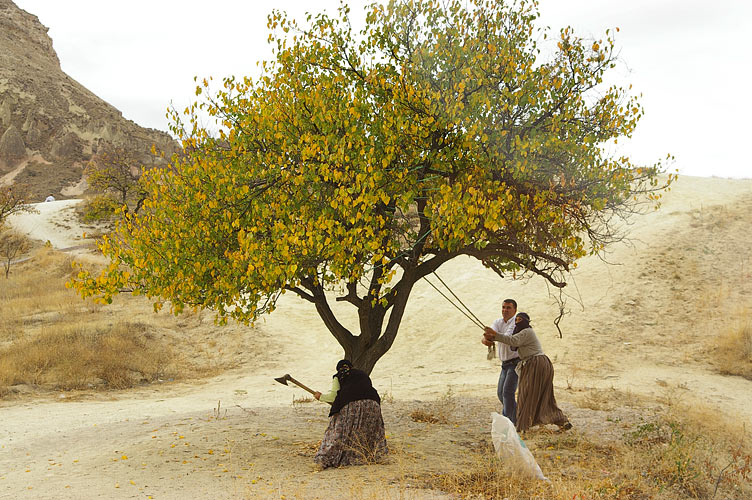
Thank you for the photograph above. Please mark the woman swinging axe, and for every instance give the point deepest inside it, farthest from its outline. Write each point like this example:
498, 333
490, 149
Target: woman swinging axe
355, 434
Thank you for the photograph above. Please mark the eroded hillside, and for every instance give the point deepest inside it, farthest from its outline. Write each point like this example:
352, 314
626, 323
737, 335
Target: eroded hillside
51, 125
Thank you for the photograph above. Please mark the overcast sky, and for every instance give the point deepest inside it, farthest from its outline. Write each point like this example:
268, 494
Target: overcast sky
690, 59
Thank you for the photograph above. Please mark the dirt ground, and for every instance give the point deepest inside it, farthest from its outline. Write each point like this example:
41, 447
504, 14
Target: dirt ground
641, 327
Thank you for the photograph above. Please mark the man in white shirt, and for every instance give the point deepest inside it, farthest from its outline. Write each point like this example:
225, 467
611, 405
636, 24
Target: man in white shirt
509, 359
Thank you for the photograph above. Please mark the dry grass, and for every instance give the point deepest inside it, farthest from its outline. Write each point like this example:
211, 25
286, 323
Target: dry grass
437, 412
664, 459
575, 466
73, 357
35, 295
734, 348
51, 340
682, 452
429, 418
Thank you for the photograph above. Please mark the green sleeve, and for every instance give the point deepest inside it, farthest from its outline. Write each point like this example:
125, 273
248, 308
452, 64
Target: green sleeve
332, 394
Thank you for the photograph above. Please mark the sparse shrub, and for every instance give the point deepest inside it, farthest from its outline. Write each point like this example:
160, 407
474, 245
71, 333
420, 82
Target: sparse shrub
100, 208
599, 399
298, 402
734, 352
12, 246
576, 475
387, 397
438, 412
424, 416
116, 172
13, 200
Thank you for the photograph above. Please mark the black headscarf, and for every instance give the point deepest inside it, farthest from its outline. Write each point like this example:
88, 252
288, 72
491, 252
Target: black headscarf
343, 369
354, 385
521, 325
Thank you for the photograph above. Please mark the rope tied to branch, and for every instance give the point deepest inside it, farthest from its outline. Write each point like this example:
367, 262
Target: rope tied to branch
466, 311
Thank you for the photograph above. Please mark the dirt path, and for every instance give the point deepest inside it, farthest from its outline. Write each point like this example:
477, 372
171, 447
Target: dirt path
54, 221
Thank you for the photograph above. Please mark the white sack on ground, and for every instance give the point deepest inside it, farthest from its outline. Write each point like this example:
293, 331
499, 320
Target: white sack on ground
511, 449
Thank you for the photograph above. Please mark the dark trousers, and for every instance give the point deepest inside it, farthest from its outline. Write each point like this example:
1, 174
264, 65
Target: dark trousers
506, 389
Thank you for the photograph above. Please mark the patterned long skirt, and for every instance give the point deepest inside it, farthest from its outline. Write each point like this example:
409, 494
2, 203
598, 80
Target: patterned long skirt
354, 436
536, 403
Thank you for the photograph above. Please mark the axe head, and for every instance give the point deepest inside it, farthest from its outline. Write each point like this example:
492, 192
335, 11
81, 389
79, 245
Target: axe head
283, 379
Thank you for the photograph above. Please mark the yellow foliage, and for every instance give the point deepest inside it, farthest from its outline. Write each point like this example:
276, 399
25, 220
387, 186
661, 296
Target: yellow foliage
349, 160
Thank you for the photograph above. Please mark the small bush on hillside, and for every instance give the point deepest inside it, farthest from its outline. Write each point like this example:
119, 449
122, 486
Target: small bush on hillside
101, 208
12, 246
734, 350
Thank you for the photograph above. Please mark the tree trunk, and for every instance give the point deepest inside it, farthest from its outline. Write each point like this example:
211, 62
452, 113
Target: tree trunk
363, 358
370, 346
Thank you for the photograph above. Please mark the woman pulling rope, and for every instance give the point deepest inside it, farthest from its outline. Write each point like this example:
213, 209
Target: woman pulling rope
536, 403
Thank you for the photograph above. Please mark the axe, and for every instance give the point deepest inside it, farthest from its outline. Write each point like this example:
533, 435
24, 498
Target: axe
286, 377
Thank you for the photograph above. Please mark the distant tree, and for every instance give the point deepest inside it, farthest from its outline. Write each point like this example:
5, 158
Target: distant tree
360, 164
12, 244
116, 172
12, 200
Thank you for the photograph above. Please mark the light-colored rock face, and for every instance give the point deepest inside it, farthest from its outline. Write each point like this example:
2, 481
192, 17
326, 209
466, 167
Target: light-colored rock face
5, 113
18, 27
52, 115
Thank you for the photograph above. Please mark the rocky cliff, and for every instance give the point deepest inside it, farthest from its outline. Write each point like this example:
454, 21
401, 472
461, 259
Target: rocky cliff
50, 125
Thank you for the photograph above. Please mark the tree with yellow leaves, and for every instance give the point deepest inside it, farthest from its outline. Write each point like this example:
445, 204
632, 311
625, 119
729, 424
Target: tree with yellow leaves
360, 163
115, 172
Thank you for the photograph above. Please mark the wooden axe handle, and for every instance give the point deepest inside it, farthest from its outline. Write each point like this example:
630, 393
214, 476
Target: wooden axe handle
301, 385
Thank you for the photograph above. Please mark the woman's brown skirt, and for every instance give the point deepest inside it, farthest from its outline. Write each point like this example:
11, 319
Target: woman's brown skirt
536, 403
355, 436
